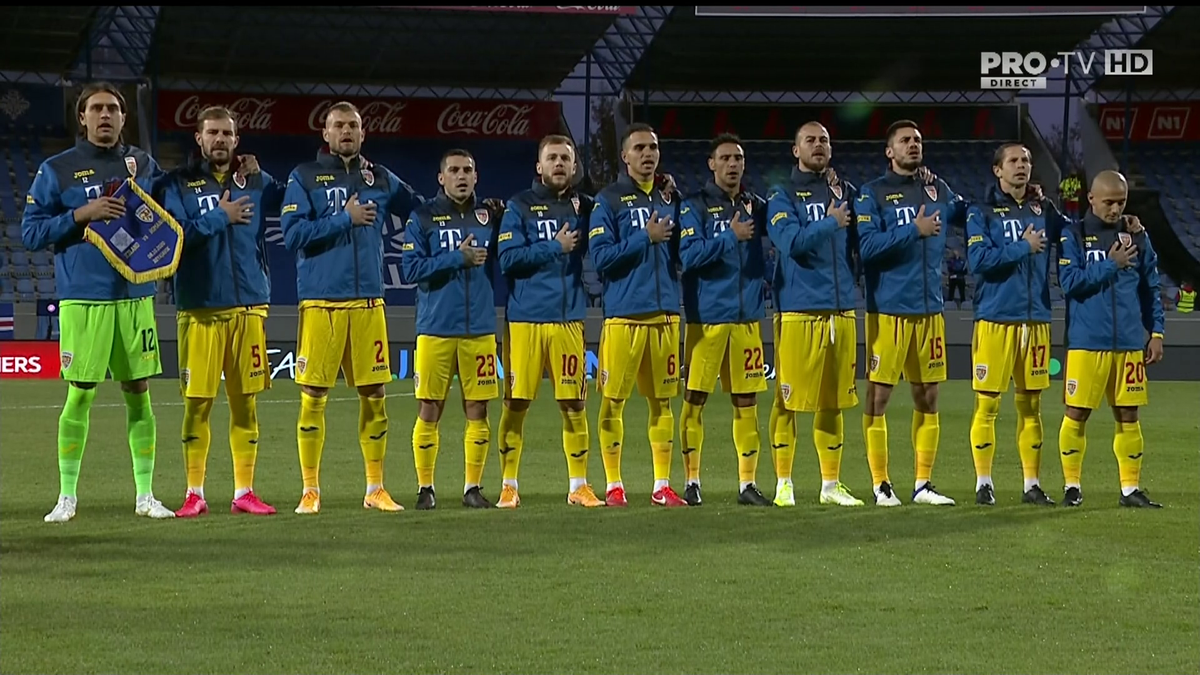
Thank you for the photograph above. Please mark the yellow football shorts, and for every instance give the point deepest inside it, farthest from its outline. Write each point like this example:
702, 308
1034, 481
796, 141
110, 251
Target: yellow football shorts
732, 352
438, 359
348, 336
816, 360
912, 345
229, 341
1019, 352
1118, 376
645, 352
531, 349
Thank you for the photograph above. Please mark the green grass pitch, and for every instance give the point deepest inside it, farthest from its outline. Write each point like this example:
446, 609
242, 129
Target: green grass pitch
547, 588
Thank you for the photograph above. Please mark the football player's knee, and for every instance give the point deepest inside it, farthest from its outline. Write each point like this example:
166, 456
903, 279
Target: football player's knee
925, 397
315, 392
430, 411
1125, 414
136, 386
517, 404
744, 400
373, 390
475, 410
570, 406
695, 397
1078, 414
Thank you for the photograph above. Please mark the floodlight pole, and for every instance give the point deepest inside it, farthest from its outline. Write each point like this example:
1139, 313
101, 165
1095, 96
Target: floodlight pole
587, 115
1064, 161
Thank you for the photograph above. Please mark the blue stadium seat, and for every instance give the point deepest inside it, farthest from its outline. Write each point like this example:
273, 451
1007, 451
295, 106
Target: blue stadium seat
6, 289
12, 232
25, 289
20, 258
45, 288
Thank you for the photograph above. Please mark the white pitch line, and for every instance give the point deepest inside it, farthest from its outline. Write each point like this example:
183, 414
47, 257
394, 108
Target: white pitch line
154, 404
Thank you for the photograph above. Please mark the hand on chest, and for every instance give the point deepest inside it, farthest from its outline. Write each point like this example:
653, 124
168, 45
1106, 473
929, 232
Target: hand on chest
721, 216
1098, 248
641, 209
452, 230
545, 220
336, 191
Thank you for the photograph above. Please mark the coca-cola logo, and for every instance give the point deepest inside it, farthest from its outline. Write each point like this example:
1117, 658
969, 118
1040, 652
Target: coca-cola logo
504, 119
253, 114
378, 117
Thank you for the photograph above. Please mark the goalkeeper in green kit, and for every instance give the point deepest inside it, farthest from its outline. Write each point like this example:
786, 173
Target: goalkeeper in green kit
107, 323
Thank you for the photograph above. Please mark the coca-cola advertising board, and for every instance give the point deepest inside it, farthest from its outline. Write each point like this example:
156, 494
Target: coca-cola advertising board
390, 117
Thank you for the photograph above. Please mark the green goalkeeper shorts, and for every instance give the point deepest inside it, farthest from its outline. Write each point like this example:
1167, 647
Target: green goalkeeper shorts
98, 337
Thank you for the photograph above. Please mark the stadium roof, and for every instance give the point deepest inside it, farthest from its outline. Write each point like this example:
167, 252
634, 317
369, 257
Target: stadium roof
376, 45
1176, 54
841, 54
43, 39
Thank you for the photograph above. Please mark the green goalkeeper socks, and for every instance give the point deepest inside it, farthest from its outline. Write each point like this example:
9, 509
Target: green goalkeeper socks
139, 421
72, 436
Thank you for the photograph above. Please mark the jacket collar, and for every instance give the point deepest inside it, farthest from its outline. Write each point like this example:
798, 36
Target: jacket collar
998, 197
197, 164
893, 178
1092, 222
716, 192
444, 202
803, 178
626, 181
92, 151
545, 192
332, 161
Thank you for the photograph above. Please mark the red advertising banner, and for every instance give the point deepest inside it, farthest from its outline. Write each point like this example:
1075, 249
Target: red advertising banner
28, 360
390, 117
1154, 121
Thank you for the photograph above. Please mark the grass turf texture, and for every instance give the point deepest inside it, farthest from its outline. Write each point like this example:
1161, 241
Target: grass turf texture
548, 588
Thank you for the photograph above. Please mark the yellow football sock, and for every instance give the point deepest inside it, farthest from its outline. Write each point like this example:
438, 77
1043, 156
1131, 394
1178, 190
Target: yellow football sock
782, 427
197, 436
983, 433
661, 429
475, 448
926, 434
512, 441
243, 440
1127, 446
576, 442
372, 436
691, 432
612, 435
310, 435
1072, 446
425, 440
1030, 434
875, 436
829, 436
746, 442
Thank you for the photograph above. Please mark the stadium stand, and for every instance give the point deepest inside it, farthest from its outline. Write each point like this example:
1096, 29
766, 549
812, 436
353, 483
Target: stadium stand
1164, 132
279, 66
